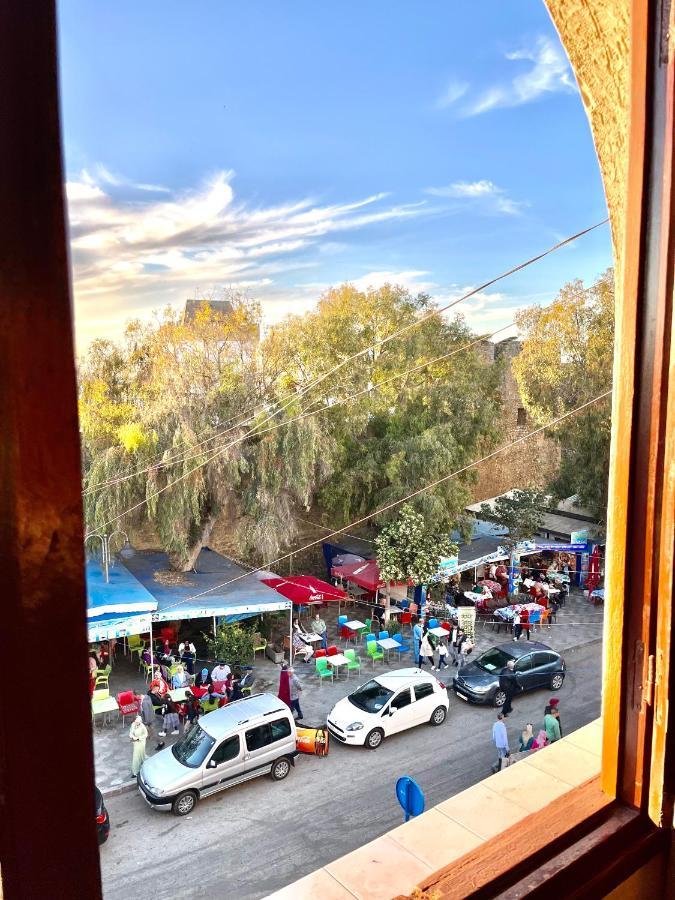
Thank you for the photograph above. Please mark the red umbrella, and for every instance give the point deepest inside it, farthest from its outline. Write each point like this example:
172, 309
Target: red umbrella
304, 588
366, 574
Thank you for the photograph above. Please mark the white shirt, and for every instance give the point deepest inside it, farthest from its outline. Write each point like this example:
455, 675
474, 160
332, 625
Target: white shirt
187, 647
220, 673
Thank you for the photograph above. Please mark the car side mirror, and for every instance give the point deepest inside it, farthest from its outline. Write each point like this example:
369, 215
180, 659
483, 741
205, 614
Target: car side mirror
212, 764
392, 710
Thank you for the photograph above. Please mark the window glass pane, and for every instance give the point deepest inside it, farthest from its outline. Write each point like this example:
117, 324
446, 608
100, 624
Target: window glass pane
258, 737
402, 699
543, 658
280, 729
423, 690
524, 664
229, 749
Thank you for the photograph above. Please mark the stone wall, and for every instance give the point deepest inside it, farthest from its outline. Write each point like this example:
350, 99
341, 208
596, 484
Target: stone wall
529, 464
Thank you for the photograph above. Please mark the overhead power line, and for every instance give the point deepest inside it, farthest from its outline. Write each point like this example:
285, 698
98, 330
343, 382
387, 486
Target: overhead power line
365, 350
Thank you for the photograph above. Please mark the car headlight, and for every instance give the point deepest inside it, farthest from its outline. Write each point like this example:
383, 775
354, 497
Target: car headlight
355, 726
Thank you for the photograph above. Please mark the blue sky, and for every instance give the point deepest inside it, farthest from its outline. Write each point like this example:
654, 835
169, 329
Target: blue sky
279, 148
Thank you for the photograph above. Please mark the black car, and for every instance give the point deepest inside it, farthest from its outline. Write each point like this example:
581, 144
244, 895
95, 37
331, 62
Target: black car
102, 817
537, 666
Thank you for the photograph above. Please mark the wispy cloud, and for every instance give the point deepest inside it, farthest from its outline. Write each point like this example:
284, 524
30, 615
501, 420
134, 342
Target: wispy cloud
130, 255
484, 194
453, 92
549, 73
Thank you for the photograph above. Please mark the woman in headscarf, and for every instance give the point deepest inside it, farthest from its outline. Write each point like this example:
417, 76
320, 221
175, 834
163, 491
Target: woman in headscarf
158, 690
203, 679
138, 734
180, 679
527, 737
285, 685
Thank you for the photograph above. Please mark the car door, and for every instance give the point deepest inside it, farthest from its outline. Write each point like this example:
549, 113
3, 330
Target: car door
397, 716
545, 667
524, 675
225, 763
264, 743
424, 701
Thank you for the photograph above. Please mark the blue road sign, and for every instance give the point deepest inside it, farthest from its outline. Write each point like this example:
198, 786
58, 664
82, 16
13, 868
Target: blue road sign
410, 796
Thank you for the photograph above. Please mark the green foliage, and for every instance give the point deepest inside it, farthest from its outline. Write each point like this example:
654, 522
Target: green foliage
408, 551
566, 361
522, 513
233, 644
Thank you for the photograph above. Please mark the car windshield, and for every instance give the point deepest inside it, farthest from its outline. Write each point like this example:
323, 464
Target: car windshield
192, 749
492, 660
370, 697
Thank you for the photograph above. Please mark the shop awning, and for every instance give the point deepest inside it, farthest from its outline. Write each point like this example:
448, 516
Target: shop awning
117, 607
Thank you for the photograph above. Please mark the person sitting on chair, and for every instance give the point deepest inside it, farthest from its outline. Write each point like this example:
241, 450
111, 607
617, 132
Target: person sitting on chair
180, 678
300, 644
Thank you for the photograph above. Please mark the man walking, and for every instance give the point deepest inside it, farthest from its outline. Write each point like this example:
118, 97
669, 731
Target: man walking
501, 741
296, 688
319, 627
508, 684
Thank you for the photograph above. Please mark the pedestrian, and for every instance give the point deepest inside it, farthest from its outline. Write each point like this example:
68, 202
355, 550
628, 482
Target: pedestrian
442, 650
527, 737
147, 710
517, 627
170, 719
426, 650
285, 685
456, 645
501, 741
296, 689
138, 734
465, 649
525, 622
319, 627
508, 684
417, 640
553, 703
551, 725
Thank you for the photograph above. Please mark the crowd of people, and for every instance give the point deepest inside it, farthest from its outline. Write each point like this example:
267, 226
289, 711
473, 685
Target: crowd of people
434, 650
549, 733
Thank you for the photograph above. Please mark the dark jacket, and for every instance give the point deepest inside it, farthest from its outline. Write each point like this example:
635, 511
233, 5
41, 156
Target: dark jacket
507, 680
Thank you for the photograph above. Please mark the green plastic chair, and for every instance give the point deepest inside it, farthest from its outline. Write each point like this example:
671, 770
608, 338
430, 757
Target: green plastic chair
366, 630
374, 651
323, 670
354, 661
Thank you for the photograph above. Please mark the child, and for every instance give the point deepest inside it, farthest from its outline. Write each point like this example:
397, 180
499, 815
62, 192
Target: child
170, 719
442, 654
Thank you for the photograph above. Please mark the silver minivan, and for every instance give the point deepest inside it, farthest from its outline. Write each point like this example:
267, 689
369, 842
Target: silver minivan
250, 737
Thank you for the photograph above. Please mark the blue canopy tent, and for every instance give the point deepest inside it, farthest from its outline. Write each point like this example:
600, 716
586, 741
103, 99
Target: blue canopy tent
118, 607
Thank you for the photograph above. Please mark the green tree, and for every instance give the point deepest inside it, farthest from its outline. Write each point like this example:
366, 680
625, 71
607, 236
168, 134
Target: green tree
407, 551
522, 512
566, 360
233, 644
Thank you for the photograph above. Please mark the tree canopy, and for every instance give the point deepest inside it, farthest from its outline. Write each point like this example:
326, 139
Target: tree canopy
191, 399
407, 551
566, 360
521, 512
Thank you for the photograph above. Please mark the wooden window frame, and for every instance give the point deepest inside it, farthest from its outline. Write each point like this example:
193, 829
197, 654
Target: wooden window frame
41, 529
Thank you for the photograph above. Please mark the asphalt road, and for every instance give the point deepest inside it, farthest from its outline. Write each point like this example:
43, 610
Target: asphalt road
257, 837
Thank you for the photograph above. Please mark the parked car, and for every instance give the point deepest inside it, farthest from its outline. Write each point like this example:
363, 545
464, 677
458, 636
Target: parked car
250, 737
102, 818
386, 704
537, 666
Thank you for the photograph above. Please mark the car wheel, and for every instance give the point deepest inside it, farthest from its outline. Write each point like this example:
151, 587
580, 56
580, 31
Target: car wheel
438, 715
280, 769
374, 739
500, 698
557, 682
184, 804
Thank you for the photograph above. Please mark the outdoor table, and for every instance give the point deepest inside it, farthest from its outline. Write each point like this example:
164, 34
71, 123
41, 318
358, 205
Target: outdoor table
470, 595
439, 632
337, 660
355, 626
178, 695
104, 707
312, 638
389, 644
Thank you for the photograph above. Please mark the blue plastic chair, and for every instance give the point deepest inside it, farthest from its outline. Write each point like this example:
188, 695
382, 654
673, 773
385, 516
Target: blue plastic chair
404, 604
404, 648
383, 635
433, 623
342, 620
369, 638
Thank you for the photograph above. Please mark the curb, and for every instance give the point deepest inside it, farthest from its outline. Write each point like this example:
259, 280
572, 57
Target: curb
118, 789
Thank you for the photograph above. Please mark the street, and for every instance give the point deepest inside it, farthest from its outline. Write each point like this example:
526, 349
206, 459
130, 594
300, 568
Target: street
257, 837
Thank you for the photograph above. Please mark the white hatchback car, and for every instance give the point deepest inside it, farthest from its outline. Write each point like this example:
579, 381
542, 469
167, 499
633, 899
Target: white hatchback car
386, 704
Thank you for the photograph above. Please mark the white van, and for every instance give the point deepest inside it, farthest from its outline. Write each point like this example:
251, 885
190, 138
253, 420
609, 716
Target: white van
250, 737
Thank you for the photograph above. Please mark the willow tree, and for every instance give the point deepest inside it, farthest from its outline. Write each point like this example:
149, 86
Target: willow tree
566, 361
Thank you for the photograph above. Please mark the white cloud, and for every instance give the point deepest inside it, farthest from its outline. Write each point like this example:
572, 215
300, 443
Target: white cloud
485, 195
549, 73
132, 255
453, 92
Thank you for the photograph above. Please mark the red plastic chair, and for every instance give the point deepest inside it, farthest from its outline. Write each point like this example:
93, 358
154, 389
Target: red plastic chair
129, 704
346, 634
332, 651
447, 626
406, 619
319, 654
